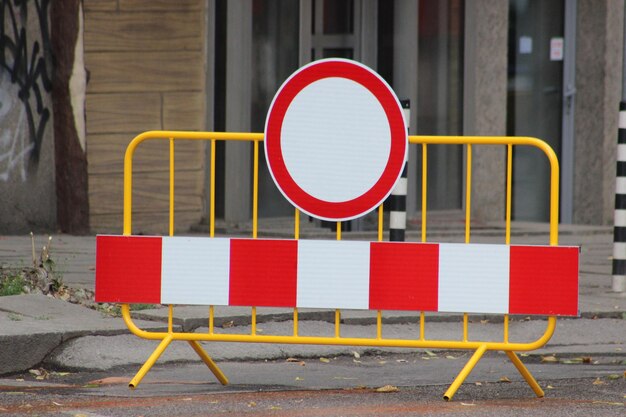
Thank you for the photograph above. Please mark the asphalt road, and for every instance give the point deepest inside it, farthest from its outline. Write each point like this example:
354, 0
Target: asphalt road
334, 386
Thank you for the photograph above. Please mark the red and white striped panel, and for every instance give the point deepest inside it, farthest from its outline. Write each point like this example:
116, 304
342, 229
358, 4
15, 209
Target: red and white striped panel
446, 277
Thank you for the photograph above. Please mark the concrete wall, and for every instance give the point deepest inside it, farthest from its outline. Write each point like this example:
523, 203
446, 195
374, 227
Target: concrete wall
485, 102
598, 84
27, 177
146, 61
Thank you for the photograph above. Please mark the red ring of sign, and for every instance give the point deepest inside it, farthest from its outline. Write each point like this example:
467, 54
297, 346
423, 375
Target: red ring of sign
349, 209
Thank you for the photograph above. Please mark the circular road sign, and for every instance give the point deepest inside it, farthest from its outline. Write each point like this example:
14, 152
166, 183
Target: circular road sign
335, 139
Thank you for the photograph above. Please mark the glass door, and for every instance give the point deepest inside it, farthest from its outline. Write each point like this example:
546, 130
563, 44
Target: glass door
538, 104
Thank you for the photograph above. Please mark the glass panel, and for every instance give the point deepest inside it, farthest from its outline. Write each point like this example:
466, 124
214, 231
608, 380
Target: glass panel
534, 98
440, 98
275, 35
338, 53
338, 17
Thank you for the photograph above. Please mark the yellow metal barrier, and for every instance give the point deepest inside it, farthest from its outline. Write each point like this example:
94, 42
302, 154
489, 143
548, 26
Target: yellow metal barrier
479, 347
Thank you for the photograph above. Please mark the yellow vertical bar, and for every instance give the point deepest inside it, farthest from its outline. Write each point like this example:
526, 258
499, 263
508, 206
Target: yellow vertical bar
506, 328
424, 188
211, 319
170, 319
296, 231
380, 223
337, 323
338, 230
171, 186
295, 321
253, 330
212, 191
422, 326
509, 175
255, 192
465, 320
379, 324
468, 193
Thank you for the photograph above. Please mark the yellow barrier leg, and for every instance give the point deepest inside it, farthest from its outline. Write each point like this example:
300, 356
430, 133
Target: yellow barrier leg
525, 373
150, 362
209, 362
464, 372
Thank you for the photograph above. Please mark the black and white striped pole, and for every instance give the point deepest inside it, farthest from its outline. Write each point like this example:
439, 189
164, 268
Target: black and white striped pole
619, 231
397, 199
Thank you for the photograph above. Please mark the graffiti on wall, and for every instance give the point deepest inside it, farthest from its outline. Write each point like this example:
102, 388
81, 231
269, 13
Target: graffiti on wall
25, 81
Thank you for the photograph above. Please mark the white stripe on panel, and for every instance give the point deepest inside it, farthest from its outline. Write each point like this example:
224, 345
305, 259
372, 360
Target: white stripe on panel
333, 274
195, 271
473, 278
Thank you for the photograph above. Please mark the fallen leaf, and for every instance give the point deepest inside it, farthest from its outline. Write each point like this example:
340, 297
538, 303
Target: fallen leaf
484, 321
429, 353
387, 388
401, 360
468, 404
572, 361
450, 357
112, 380
57, 404
187, 399
356, 361
478, 383
251, 404
586, 359
356, 354
35, 372
613, 377
343, 378
294, 360
275, 407
598, 381
325, 360
523, 355
549, 359
549, 387
299, 379
61, 373
504, 379
382, 362
228, 324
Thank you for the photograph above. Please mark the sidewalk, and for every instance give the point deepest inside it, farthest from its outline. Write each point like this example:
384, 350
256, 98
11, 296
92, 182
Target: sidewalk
36, 329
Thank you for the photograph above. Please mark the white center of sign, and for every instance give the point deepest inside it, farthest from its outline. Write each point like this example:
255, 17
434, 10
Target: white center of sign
336, 139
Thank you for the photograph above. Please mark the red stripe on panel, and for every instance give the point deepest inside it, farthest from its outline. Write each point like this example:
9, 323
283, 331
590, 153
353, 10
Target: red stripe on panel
128, 269
263, 272
544, 280
404, 276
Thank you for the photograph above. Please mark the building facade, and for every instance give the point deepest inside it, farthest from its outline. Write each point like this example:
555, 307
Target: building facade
545, 68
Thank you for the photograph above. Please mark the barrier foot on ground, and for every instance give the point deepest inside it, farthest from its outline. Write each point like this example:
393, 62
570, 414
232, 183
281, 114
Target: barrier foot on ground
209, 362
150, 362
465, 372
525, 373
